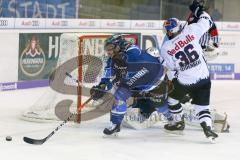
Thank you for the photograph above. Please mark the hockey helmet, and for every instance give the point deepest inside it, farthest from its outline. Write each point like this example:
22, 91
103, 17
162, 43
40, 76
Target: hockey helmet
117, 40
201, 2
172, 26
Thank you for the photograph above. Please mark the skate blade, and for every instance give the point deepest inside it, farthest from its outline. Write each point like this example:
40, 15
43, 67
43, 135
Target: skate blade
178, 132
114, 135
211, 140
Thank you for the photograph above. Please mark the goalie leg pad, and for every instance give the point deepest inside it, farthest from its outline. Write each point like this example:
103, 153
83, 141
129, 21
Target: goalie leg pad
145, 105
220, 123
133, 119
142, 114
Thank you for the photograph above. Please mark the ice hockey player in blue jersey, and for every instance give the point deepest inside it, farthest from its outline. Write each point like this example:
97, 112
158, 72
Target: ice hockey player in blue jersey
135, 72
183, 53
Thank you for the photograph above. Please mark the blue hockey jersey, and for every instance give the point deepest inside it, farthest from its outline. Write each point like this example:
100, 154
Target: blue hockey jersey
144, 71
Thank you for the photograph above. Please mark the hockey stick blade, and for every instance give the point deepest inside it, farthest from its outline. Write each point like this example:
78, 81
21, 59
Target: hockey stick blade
41, 141
34, 141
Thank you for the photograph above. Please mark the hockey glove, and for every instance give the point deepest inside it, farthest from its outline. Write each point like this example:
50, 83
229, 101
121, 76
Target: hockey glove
215, 45
98, 91
196, 8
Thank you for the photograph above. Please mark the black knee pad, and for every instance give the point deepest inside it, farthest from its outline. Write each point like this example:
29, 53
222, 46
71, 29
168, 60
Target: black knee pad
175, 108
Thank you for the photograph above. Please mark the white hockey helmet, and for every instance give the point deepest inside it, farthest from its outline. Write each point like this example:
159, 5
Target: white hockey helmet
172, 26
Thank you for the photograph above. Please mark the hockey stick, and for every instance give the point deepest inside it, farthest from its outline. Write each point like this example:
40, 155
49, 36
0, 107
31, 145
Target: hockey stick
79, 83
70, 76
41, 141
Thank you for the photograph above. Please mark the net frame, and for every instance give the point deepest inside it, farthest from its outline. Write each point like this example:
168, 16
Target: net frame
77, 39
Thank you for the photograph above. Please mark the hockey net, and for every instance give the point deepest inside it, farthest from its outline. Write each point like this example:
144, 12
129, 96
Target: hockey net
87, 72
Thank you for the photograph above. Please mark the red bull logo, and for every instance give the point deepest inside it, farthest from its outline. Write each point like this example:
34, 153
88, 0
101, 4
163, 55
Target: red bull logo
180, 44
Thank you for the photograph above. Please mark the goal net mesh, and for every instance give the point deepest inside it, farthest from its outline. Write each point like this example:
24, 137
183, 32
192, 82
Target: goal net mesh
83, 57
71, 45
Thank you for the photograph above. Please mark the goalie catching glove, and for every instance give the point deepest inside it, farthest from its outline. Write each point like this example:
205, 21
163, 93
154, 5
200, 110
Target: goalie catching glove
98, 91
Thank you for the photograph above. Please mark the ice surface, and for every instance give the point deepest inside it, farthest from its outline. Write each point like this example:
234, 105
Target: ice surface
86, 142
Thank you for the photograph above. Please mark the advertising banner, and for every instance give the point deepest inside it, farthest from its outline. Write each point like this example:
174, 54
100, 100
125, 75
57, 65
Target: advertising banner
116, 24
25, 23
58, 23
38, 54
231, 26
7, 23
221, 71
7, 86
38, 8
221, 68
227, 63
143, 24
88, 23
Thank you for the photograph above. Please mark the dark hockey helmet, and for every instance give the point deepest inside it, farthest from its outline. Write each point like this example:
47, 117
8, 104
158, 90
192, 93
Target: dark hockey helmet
201, 2
117, 40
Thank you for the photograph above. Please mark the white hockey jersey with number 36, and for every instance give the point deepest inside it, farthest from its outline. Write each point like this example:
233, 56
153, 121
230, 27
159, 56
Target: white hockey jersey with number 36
184, 54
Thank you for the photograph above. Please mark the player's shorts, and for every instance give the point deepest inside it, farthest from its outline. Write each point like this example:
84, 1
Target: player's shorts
200, 92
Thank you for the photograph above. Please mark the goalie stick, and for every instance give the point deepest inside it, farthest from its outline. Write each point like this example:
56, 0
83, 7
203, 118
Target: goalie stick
41, 141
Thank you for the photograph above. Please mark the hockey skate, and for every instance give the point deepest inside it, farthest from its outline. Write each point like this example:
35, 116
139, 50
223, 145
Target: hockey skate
175, 127
113, 129
208, 132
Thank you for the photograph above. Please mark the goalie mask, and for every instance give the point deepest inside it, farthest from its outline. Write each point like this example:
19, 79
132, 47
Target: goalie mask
171, 27
210, 52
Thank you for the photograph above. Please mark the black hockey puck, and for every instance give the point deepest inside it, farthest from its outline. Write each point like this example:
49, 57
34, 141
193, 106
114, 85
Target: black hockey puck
8, 138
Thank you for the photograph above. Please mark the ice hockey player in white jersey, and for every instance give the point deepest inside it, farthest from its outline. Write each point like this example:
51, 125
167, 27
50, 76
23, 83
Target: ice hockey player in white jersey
210, 40
183, 53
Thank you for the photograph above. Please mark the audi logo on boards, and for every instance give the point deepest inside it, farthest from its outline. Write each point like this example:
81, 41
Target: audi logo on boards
3, 22
35, 23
